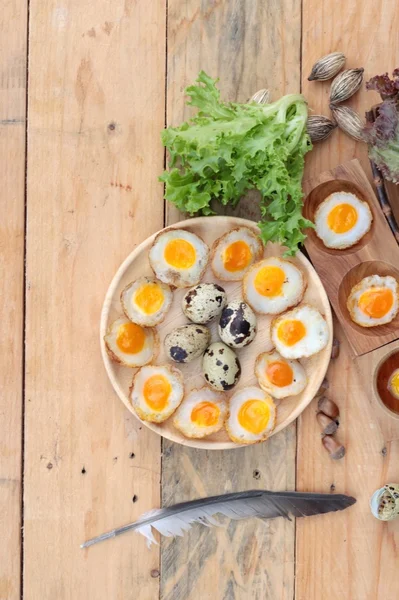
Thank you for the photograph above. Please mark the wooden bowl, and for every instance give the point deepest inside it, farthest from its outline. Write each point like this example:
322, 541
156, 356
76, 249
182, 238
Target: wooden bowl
339, 270
136, 265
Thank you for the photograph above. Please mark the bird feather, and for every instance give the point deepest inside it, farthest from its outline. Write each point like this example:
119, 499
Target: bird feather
177, 519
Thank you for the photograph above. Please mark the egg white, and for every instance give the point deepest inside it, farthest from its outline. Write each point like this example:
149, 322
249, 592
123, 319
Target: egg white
134, 312
315, 338
292, 289
369, 283
138, 359
182, 418
298, 372
220, 245
235, 430
173, 275
143, 410
332, 239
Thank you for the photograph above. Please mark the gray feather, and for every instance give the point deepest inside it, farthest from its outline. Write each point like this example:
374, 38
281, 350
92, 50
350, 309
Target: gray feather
177, 519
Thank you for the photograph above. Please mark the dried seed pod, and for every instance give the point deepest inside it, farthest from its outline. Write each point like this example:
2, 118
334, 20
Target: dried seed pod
327, 66
335, 348
345, 85
335, 449
384, 502
328, 426
349, 121
261, 97
319, 127
328, 407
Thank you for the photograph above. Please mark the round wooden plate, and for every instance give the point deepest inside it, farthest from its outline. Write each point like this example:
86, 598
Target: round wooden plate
136, 265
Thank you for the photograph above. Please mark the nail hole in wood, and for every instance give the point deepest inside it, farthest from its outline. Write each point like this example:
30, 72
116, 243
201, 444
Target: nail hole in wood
256, 474
132, 455
83, 470
50, 466
134, 499
111, 126
384, 451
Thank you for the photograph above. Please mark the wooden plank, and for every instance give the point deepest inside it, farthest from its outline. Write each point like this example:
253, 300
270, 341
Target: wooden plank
249, 45
95, 115
13, 24
350, 555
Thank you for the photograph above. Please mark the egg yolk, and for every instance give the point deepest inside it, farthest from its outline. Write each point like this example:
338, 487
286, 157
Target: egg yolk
342, 218
180, 254
269, 281
393, 384
149, 298
376, 302
279, 373
254, 416
130, 338
156, 392
205, 414
291, 331
237, 256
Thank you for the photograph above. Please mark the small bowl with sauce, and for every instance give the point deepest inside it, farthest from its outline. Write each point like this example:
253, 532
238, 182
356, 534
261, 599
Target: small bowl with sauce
386, 383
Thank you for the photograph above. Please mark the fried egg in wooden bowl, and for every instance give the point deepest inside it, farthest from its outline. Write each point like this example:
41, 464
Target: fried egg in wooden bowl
210, 435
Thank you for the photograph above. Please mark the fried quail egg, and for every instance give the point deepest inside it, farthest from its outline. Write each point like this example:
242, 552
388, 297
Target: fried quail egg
341, 220
221, 367
237, 325
374, 301
156, 392
178, 257
146, 301
204, 302
131, 344
300, 332
393, 384
252, 415
234, 253
202, 412
186, 343
273, 285
278, 376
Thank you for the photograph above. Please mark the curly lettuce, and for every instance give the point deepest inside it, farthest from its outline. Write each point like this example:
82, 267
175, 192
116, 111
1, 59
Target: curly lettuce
228, 149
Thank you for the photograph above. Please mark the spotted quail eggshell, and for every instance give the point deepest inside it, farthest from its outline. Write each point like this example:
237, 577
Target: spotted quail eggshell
221, 367
186, 343
237, 325
204, 302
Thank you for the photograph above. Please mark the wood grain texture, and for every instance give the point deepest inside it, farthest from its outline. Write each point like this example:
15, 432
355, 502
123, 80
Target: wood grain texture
13, 24
137, 265
250, 45
93, 159
340, 270
351, 555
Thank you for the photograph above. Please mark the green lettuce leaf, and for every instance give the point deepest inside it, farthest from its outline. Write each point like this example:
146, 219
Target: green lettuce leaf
228, 149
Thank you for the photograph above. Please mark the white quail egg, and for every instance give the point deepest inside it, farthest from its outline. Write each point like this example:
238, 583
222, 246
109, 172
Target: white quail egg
204, 302
186, 343
237, 325
221, 367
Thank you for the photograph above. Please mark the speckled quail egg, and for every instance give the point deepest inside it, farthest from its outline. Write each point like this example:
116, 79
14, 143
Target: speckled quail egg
252, 416
234, 253
279, 376
130, 344
237, 325
204, 302
187, 342
203, 412
300, 332
374, 301
273, 285
146, 301
341, 220
156, 392
221, 367
178, 257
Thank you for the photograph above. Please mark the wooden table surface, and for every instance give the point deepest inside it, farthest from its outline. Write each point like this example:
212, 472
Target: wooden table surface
86, 88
